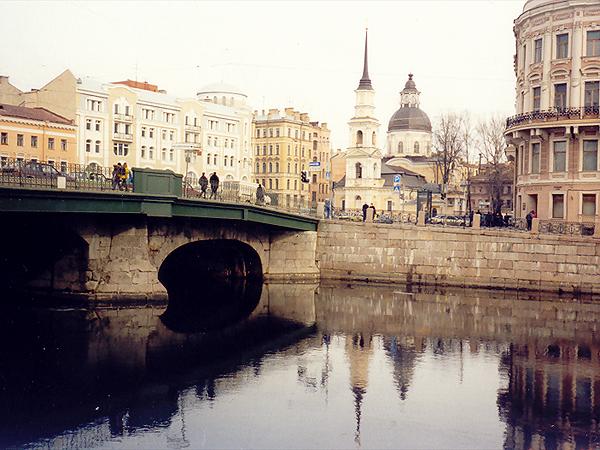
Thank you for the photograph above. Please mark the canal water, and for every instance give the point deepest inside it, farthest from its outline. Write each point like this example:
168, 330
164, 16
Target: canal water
305, 366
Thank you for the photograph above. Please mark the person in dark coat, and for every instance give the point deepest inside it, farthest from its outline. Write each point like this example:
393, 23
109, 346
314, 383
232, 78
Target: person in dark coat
203, 185
260, 194
529, 219
364, 209
214, 185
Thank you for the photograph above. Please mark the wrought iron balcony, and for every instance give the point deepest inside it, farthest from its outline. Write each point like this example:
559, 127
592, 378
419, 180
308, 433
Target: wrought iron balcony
553, 115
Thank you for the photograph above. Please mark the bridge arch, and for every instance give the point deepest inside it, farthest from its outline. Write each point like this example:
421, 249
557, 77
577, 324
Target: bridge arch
211, 284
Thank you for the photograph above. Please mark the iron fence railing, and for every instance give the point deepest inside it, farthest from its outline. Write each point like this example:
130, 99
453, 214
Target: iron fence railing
556, 113
49, 174
568, 228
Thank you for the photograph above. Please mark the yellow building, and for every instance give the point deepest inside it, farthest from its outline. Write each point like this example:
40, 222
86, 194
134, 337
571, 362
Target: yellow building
285, 145
38, 134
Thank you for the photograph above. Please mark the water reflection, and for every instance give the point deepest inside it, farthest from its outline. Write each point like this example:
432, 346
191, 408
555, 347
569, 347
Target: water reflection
332, 366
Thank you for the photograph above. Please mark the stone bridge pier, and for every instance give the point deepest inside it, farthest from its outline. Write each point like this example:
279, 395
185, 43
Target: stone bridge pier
107, 258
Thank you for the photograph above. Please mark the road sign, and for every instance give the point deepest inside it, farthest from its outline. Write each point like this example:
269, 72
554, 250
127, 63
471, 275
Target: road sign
396, 188
396, 178
314, 164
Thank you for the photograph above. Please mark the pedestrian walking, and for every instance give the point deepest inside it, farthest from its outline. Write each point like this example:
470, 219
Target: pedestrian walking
364, 210
260, 195
214, 185
203, 185
529, 220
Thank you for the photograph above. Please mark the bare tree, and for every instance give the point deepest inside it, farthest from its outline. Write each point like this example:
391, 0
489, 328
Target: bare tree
490, 132
449, 145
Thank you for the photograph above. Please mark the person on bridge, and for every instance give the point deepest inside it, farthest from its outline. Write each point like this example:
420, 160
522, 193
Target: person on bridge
203, 185
214, 185
260, 194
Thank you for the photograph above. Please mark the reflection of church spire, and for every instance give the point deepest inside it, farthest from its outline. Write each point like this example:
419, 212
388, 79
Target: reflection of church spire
403, 354
358, 351
365, 81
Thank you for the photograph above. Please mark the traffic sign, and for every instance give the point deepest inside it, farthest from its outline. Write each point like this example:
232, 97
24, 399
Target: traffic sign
396, 188
314, 164
397, 178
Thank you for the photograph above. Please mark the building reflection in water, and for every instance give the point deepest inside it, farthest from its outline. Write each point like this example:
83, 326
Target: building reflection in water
145, 378
553, 395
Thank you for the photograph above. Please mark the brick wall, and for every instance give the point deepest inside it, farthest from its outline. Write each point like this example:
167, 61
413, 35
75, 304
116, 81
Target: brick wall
458, 257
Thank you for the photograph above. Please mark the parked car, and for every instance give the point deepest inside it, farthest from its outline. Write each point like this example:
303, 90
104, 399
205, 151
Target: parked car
439, 220
456, 221
34, 169
384, 219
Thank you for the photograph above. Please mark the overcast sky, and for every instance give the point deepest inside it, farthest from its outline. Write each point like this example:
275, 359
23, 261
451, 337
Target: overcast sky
302, 54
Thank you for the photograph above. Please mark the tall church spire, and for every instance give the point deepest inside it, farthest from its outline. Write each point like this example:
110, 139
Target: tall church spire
365, 81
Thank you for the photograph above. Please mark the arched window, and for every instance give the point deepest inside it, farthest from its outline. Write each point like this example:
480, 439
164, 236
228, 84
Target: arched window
257, 167
400, 147
374, 139
88, 145
208, 159
264, 167
97, 146
358, 168
270, 167
416, 147
359, 138
171, 154
277, 167
374, 169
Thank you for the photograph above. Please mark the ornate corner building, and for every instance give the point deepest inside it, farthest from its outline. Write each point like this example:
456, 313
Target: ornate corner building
554, 137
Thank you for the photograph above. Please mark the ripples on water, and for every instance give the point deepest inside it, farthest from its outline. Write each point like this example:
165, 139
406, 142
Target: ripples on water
327, 366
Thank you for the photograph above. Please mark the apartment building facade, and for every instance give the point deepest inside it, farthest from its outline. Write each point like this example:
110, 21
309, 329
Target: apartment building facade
286, 144
554, 138
36, 134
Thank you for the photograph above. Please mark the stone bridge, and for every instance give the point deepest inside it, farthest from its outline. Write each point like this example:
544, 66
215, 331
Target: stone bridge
136, 256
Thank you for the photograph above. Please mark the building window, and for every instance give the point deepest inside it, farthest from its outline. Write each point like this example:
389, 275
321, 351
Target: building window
264, 167
163, 154
537, 91
535, 157
143, 151
143, 131
314, 178
172, 134
171, 155
116, 128
559, 156
588, 204
88, 124
270, 149
562, 46
558, 206
590, 155
63, 166
97, 125
264, 150
63, 145
592, 90
164, 135
151, 133
400, 147
116, 108
277, 166
537, 53
270, 183
277, 148
593, 43
88, 146
151, 153
560, 96
4, 138
416, 147
19, 140
34, 141
358, 170
97, 146
50, 143
120, 149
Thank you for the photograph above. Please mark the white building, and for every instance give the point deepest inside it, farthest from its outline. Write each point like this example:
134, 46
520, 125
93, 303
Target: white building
227, 122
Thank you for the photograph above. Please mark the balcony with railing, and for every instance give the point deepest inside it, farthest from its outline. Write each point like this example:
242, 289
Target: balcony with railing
553, 115
123, 117
125, 137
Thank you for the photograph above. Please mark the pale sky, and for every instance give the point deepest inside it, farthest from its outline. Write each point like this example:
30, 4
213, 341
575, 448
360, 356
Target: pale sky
302, 54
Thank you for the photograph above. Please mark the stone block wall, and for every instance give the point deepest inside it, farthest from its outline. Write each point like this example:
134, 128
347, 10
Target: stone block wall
458, 257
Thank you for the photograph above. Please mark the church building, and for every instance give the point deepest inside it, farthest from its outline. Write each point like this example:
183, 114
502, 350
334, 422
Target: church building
389, 181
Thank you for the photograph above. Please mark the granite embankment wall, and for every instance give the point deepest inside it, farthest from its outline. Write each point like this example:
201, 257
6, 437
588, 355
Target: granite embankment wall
458, 257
